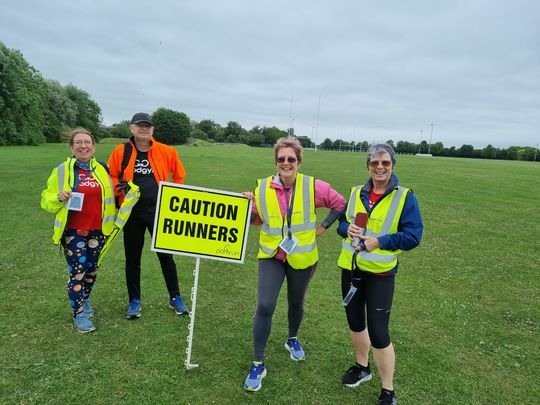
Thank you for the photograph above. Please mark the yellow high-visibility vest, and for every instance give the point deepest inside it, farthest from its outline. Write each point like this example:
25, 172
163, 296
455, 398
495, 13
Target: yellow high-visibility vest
275, 226
130, 199
383, 220
62, 178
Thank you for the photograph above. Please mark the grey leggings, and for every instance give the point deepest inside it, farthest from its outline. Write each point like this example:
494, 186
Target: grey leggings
272, 272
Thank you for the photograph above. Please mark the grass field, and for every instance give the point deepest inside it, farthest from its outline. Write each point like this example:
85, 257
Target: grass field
464, 322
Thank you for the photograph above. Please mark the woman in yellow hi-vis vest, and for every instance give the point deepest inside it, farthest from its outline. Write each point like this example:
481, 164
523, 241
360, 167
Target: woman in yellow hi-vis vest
285, 206
381, 220
80, 194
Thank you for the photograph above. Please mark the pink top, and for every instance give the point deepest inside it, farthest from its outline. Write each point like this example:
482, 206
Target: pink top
325, 197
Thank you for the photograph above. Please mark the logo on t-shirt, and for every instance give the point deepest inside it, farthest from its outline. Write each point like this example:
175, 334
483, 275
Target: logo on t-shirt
86, 180
142, 166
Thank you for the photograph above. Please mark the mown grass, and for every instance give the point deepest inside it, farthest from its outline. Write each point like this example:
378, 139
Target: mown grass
465, 318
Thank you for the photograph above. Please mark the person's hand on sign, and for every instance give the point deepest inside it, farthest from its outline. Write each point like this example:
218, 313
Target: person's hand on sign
249, 195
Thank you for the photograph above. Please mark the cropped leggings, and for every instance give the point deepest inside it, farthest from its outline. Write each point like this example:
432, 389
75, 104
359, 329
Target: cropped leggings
81, 249
272, 272
374, 298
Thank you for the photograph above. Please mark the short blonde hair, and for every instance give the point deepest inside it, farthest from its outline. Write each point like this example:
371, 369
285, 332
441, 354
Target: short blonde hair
80, 130
286, 142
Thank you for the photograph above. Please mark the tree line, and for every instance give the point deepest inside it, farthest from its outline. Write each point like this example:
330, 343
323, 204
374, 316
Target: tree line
34, 110
438, 149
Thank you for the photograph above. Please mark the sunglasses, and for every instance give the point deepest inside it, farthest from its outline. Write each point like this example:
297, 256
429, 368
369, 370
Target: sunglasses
375, 163
289, 159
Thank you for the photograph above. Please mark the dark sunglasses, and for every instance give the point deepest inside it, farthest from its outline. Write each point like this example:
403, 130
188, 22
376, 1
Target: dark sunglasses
375, 163
289, 159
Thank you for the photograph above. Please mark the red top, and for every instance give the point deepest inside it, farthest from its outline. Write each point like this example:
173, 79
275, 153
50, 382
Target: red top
90, 217
373, 197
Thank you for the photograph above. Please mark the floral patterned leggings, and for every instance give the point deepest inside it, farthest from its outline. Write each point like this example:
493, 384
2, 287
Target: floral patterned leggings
81, 249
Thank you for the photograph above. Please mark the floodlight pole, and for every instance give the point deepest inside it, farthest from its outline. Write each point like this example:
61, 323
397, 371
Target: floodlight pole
420, 144
188, 363
290, 112
317, 130
430, 136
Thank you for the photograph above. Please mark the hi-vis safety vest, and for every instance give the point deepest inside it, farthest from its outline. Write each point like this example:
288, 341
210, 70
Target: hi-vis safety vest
275, 227
383, 220
130, 199
63, 179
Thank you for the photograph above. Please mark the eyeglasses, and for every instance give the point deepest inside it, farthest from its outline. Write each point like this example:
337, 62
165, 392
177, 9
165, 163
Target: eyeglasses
375, 163
289, 159
79, 143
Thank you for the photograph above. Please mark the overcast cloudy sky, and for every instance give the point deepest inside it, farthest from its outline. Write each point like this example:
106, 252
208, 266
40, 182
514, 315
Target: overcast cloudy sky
381, 69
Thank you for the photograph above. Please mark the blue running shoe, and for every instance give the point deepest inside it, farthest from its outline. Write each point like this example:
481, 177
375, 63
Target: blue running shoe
254, 379
88, 311
134, 309
83, 324
295, 350
177, 303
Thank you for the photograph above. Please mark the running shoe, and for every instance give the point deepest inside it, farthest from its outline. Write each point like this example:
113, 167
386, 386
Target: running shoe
87, 309
387, 397
254, 379
177, 303
83, 324
134, 309
356, 375
295, 350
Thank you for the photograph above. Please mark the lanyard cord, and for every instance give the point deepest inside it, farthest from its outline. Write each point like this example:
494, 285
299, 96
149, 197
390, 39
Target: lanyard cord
290, 208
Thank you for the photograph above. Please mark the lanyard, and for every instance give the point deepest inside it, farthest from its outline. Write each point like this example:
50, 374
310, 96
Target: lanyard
290, 208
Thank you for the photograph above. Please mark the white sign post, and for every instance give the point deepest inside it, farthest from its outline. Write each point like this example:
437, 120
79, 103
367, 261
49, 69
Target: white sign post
203, 223
189, 365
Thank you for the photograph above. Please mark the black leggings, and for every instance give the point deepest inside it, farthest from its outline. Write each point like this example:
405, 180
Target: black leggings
139, 221
374, 296
272, 272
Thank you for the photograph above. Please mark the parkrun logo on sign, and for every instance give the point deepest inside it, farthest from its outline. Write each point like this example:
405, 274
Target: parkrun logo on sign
227, 251
142, 167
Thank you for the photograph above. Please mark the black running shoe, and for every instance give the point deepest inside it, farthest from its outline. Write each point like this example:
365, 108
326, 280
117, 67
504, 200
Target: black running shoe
356, 375
387, 397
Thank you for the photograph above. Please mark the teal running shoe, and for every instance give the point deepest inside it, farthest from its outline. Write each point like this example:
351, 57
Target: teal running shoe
83, 324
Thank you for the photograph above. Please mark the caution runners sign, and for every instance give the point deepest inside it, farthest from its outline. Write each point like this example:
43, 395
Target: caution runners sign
201, 222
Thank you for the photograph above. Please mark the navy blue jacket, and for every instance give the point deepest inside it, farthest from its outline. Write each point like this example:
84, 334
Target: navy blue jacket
410, 225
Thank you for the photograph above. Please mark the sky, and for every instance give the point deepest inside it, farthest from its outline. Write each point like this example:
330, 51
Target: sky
354, 70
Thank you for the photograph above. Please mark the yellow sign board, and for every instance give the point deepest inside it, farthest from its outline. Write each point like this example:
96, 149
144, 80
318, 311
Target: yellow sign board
201, 222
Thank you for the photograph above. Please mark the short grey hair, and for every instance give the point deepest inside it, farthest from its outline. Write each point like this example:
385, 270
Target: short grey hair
380, 148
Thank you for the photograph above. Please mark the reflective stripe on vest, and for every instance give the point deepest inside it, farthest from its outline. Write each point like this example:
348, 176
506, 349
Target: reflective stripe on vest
61, 217
129, 202
381, 262
303, 222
